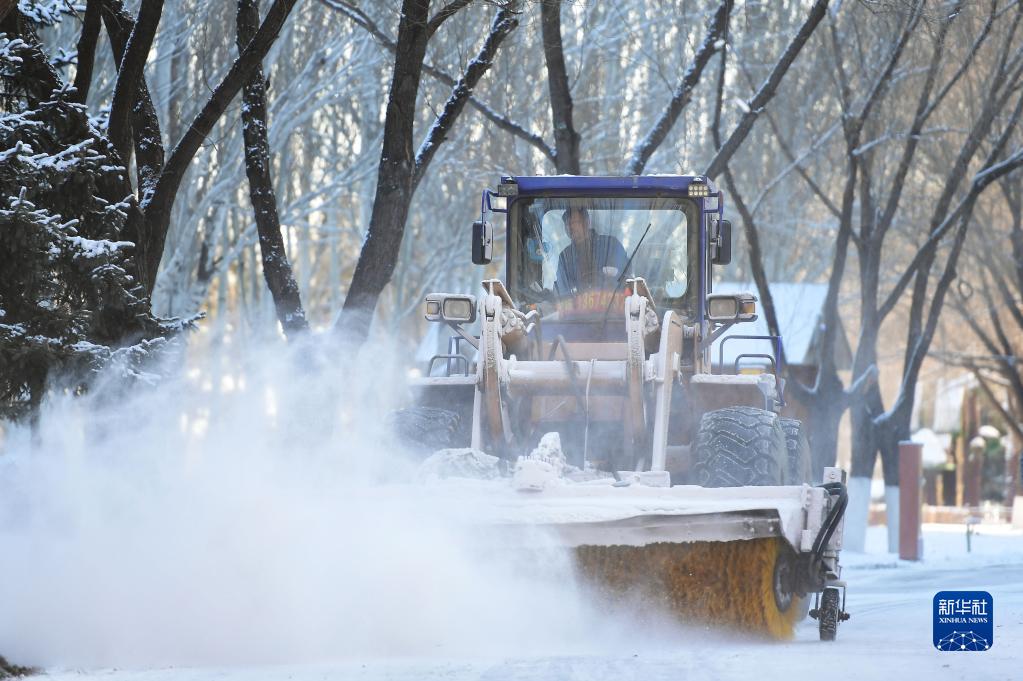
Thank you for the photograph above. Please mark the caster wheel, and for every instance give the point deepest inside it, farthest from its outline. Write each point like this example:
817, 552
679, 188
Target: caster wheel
829, 614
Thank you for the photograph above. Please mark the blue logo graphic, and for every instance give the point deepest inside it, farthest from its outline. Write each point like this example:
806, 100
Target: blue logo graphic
963, 620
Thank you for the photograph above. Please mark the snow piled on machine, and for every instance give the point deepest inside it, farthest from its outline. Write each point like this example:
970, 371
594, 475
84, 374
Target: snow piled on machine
253, 511
459, 463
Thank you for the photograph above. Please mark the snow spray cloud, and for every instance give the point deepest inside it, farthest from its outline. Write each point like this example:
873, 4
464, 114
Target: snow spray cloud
249, 515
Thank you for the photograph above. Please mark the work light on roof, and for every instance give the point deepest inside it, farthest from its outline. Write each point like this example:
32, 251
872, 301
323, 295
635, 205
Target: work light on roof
698, 189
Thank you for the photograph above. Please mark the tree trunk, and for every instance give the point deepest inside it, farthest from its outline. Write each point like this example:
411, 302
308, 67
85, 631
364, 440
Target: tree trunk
87, 51
158, 202
143, 121
395, 175
400, 171
566, 139
825, 413
276, 267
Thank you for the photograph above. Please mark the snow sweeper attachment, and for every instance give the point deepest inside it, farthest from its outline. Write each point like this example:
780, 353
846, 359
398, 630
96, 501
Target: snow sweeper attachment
582, 385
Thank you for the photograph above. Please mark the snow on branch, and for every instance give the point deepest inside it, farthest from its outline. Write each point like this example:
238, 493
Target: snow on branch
713, 41
504, 23
501, 121
47, 12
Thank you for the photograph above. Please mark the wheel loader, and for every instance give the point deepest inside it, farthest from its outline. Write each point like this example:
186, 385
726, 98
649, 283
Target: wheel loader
587, 370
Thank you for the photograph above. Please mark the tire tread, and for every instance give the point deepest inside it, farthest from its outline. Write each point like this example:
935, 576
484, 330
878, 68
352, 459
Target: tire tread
739, 446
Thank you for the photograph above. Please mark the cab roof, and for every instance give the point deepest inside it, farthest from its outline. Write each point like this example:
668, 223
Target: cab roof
542, 184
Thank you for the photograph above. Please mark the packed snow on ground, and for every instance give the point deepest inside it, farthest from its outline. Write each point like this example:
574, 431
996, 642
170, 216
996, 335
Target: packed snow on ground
889, 635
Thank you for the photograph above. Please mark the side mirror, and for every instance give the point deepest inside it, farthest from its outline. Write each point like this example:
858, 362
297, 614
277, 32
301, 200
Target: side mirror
482, 242
722, 243
726, 308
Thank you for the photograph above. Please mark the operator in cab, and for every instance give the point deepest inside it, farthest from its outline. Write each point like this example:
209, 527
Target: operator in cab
591, 261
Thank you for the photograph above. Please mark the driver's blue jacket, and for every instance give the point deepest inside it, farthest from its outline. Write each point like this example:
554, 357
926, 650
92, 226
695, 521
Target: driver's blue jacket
600, 267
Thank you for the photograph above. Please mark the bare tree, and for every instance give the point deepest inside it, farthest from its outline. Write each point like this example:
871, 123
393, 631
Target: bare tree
989, 298
951, 214
874, 176
276, 268
828, 398
400, 171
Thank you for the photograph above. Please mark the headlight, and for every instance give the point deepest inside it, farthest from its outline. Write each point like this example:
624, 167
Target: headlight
722, 308
456, 308
459, 309
731, 307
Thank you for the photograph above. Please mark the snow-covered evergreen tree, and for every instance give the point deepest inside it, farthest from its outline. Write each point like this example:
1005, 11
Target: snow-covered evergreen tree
69, 303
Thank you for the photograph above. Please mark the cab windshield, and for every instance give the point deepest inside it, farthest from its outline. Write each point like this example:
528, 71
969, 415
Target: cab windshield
575, 255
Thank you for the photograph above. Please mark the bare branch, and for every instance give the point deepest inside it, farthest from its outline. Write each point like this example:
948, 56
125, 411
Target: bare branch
988, 174
87, 51
923, 111
787, 151
712, 42
129, 74
444, 14
503, 122
767, 90
796, 164
157, 205
855, 121
985, 31
504, 23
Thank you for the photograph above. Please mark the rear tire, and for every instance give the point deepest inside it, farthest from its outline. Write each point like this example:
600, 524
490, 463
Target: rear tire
424, 430
800, 467
738, 447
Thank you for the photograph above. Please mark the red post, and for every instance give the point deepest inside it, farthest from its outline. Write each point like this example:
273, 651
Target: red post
910, 455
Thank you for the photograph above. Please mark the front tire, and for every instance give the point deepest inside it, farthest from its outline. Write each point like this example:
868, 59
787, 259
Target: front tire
739, 447
424, 430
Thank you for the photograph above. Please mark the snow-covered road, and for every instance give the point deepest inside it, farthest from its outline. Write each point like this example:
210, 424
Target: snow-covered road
888, 637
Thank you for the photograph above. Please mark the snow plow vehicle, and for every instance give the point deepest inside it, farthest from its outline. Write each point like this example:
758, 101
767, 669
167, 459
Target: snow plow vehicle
672, 479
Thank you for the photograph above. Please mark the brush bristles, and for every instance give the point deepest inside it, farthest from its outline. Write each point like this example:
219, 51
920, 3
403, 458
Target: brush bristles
728, 584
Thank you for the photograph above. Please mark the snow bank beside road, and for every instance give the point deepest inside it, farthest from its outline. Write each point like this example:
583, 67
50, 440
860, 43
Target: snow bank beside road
944, 545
